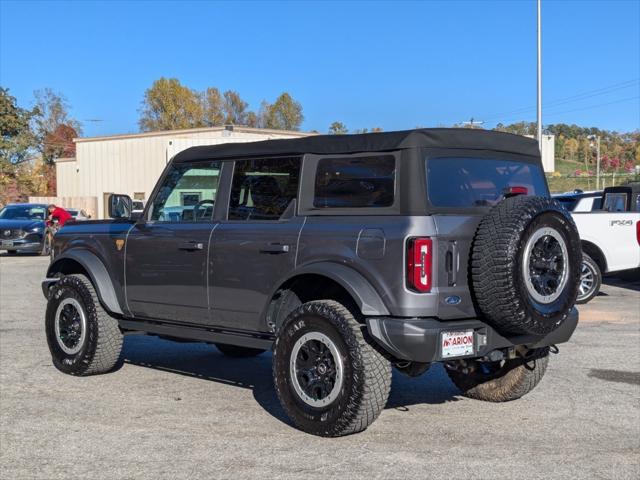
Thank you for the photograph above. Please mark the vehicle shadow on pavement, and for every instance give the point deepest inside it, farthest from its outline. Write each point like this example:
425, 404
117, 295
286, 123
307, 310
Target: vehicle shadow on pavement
203, 361
629, 279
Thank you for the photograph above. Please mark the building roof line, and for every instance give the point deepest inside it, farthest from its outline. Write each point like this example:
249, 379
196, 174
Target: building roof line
230, 128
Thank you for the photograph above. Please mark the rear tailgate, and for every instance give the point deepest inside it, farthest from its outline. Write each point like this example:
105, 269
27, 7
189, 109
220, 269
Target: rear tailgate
455, 234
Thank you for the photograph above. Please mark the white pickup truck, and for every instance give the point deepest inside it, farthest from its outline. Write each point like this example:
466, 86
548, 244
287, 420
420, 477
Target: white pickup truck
610, 237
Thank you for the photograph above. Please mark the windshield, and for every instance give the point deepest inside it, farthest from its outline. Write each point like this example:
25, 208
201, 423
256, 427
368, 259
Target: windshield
466, 182
22, 212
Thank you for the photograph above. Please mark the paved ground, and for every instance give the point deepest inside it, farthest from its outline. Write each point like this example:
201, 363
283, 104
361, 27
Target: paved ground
185, 411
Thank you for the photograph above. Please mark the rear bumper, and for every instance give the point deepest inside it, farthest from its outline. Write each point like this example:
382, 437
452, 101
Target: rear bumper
418, 339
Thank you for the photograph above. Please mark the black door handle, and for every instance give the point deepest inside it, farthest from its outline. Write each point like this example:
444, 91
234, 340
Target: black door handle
274, 248
191, 246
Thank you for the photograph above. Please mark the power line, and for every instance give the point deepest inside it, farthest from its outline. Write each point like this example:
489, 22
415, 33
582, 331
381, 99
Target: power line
573, 98
596, 106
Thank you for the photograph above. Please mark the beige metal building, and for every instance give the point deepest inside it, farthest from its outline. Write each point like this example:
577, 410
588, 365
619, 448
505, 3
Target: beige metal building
131, 164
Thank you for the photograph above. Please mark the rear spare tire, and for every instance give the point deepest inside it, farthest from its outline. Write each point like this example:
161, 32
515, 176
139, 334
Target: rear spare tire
525, 265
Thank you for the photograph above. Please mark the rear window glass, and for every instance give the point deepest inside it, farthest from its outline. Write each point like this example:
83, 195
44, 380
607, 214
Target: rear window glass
350, 182
464, 182
615, 202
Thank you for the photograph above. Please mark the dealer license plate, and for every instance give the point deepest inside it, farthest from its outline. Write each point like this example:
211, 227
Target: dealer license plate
456, 344
7, 243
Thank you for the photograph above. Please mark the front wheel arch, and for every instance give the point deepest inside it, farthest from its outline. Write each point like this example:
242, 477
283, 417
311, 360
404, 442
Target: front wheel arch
86, 263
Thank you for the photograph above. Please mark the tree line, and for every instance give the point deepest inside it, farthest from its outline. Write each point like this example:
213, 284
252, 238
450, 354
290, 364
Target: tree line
619, 152
169, 105
32, 138
45, 131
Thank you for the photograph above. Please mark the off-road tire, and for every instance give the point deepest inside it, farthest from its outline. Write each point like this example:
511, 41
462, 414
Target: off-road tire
497, 278
235, 351
103, 340
366, 377
592, 266
515, 379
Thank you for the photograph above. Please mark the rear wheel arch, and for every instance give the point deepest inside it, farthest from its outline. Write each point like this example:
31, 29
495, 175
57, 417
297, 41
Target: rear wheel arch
324, 281
87, 263
595, 253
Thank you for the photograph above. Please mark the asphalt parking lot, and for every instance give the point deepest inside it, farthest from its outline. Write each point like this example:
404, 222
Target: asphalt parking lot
181, 410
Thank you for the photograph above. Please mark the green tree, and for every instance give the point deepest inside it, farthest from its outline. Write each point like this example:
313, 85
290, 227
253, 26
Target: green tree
338, 128
284, 114
234, 108
169, 105
17, 139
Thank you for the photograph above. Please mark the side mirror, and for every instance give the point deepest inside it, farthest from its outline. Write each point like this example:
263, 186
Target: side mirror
120, 206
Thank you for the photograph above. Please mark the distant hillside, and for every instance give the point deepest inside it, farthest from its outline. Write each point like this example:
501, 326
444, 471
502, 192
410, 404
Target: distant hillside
619, 152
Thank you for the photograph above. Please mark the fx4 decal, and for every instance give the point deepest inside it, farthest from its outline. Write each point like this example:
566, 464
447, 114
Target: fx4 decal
620, 223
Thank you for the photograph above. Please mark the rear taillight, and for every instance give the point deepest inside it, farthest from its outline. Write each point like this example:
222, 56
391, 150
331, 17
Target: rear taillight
515, 190
419, 260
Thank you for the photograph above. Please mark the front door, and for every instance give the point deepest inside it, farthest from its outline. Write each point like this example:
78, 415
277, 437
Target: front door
256, 246
166, 251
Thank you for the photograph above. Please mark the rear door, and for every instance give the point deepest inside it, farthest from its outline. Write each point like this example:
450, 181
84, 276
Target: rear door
463, 188
167, 251
256, 245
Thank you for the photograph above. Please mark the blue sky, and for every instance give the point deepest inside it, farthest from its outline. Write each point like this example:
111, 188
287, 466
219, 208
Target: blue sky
393, 65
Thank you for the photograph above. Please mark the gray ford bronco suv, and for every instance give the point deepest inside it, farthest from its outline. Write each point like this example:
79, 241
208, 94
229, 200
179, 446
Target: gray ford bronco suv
346, 255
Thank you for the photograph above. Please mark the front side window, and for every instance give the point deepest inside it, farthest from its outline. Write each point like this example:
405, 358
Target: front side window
466, 182
262, 189
354, 182
188, 193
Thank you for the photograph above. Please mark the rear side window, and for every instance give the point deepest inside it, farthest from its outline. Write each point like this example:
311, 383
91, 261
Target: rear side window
615, 202
353, 182
262, 189
466, 182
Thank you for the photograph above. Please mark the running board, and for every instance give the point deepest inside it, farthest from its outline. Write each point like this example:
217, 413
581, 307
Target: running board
200, 334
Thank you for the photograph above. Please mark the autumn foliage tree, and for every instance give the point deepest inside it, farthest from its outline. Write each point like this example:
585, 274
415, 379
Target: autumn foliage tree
169, 105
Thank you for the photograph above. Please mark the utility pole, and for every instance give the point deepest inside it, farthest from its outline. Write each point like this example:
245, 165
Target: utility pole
472, 123
539, 78
597, 145
598, 164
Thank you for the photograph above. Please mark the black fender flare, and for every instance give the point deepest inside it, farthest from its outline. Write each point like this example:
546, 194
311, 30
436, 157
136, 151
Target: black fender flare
97, 272
366, 297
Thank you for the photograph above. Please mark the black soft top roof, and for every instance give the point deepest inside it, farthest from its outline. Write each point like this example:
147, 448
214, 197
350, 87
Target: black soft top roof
440, 138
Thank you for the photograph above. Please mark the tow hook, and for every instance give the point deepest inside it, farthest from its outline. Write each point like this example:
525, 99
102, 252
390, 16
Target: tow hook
554, 349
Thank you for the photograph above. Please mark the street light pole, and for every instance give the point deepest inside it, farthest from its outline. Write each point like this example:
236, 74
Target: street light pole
539, 78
